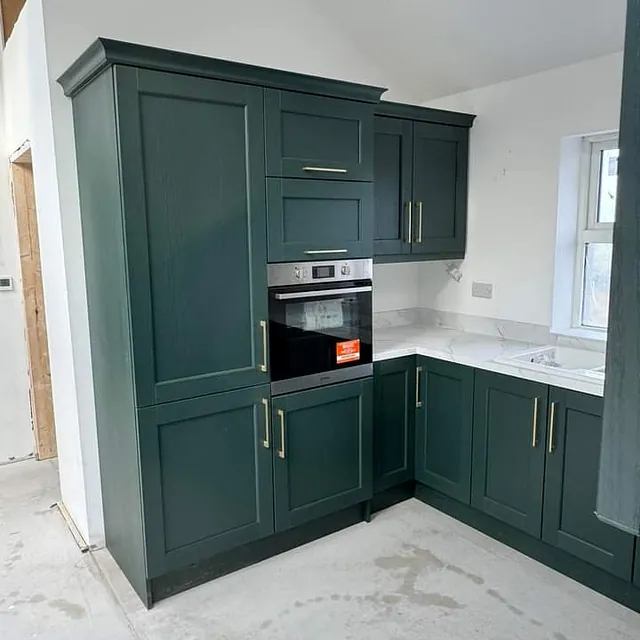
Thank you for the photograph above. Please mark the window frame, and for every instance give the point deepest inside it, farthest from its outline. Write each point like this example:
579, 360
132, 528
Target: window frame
590, 231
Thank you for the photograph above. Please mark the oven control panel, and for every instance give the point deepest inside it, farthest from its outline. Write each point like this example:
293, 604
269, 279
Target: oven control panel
291, 273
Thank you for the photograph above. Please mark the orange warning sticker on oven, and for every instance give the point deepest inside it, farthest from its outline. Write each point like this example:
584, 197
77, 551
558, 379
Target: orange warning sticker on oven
348, 351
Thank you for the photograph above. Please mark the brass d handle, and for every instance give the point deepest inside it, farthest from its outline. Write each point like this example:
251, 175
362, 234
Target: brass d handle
418, 401
419, 238
263, 366
410, 221
534, 438
265, 443
281, 453
552, 424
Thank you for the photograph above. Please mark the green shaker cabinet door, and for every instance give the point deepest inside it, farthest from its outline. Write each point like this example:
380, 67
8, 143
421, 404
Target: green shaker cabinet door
440, 158
207, 476
444, 421
571, 484
322, 451
392, 186
319, 219
192, 158
393, 423
318, 137
636, 571
509, 435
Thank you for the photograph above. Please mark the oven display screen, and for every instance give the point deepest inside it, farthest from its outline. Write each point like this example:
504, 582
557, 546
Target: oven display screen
326, 271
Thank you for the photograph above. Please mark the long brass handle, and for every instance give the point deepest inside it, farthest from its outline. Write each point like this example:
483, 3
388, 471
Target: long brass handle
410, 220
418, 401
552, 424
419, 238
534, 439
263, 366
265, 443
314, 252
325, 169
281, 450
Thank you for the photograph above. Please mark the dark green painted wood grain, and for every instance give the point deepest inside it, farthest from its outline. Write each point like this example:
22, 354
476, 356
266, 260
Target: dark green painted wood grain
194, 197
508, 470
444, 424
318, 131
109, 327
392, 185
319, 215
571, 482
328, 444
207, 478
424, 114
440, 159
619, 482
393, 423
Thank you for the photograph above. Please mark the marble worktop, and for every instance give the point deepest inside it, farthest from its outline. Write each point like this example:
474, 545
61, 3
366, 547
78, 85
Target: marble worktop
471, 349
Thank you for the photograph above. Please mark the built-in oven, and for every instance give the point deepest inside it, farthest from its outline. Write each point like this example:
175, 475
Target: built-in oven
320, 323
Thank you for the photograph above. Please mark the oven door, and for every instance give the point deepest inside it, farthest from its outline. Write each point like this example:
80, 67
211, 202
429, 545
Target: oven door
319, 334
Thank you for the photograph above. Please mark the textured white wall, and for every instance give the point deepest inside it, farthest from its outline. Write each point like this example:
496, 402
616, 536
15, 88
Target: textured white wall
513, 185
16, 438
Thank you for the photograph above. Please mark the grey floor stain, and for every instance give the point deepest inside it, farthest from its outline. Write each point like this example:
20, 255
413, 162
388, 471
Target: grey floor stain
71, 609
297, 604
317, 599
535, 623
18, 545
497, 596
560, 636
266, 624
346, 597
461, 572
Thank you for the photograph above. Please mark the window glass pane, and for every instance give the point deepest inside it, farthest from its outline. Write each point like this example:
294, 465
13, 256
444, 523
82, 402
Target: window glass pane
608, 185
597, 277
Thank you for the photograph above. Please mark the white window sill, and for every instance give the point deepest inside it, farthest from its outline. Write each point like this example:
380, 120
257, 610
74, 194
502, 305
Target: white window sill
581, 333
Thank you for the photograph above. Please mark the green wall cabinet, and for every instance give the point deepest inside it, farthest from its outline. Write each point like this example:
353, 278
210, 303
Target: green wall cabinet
444, 421
571, 483
509, 436
393, 422
179, 139
318, 137
421, 161
323, 441
319, 219
207, 478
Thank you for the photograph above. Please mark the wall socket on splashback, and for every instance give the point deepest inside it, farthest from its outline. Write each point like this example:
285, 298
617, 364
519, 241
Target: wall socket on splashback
482, 290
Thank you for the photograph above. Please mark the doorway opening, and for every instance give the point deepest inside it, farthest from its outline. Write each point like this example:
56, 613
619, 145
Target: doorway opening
22, 187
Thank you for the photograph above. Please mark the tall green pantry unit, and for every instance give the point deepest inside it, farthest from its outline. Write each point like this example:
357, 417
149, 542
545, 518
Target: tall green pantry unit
172, 178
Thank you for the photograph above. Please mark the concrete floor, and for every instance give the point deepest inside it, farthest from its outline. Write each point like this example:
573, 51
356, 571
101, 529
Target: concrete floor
412, 573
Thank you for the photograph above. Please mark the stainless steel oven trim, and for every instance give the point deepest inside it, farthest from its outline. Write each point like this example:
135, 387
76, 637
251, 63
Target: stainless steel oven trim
284, 274
280, 387
322, 293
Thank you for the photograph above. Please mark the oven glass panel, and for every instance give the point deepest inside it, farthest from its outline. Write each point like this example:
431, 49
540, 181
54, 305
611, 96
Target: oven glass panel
319, 334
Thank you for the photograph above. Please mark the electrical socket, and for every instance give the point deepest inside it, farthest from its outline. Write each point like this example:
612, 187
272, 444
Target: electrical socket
482, 290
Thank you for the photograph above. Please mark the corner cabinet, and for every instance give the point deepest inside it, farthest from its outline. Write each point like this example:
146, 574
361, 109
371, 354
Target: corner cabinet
393, 422
444, 421
322, 442
421, 161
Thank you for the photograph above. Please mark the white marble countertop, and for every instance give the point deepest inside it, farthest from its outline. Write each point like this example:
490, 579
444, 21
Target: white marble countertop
471, 349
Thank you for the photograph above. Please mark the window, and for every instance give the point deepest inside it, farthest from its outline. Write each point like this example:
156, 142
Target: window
599, 183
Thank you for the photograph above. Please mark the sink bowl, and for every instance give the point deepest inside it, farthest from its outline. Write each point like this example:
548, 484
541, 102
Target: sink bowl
564, 361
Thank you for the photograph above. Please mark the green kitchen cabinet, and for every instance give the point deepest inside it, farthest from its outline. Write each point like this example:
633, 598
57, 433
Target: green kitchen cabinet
636, 570
444, 424
571, 483
207, 476
318, 137
323, 441
509, 436
193, 194
393, 147
319, 219
393, 422
421, 161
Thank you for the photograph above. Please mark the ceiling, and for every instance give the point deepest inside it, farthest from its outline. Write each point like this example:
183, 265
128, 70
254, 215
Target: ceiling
433, 48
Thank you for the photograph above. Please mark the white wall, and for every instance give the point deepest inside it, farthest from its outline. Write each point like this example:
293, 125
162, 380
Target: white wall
16, 437
285, 34
396, 286
513, 185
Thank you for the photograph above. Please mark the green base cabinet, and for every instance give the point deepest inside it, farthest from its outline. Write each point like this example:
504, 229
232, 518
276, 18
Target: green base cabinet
319, 219
323, 451
571, 483
509, 436
207, 476
393, 423
444, 422
636, 570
